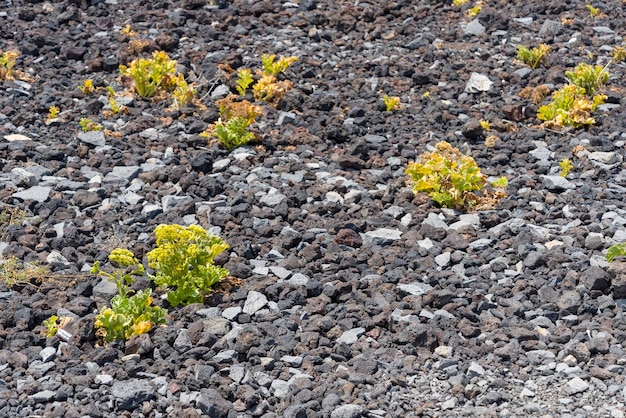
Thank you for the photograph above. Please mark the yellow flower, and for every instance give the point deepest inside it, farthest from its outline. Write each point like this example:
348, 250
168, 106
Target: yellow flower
123, 257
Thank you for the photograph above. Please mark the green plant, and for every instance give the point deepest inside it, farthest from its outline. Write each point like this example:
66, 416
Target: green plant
87, 125
87, 87
183, 93
51, 325
7, 62
485, 124
151, 76
589, 77
570, 107
14, 272
616, 250
273, 67
474, 11
244, 80
391, 103
459, 3
449, 177
130, 314
593, 11
566, 167
53, 112
532, 57
183, 262
235, 119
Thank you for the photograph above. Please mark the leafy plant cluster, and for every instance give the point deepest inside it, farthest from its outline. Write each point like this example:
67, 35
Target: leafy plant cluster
573, 104
266, 86
532, 57
183, 266
451, 179
235, 118
391, 103
616, 250
157, 77
7, 62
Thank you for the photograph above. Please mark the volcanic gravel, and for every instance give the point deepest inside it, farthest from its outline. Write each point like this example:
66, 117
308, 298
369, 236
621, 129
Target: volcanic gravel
358, 298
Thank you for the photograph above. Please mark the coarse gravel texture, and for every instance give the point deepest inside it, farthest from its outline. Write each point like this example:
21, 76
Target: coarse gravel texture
358, 298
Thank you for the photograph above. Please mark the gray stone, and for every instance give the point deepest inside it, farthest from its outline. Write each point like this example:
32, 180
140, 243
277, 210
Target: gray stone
37, 193
594, 241
225, 356
120, 176
347, 411
522, 73
383, 236
474, 28
232, 312
47, 354
475, 370
272, 198
285, 117
576, 385
556, 183
279, 388
213, 405
95, 138
604, 157
130, 394
478, 83
103, 379
22, 177
539, 356
435, 221
375, 139
182, 342
43, 396
220, 91
254, 302
443, 260
293, 361
351, 336
604, 30
416, 288
104, 290
170, 202
280, 272
550, 28
298, 279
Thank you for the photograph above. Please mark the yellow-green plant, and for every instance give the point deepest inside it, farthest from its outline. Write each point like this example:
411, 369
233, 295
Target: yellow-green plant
183, 93
268, 88
7, 62
53, 112
589, 77
52, 326
87, 125
273, 67
616, 250
459, 3
244, 80
618, 53
130, 313
532, 57
151, 76
449, 177
87, 87
235, 119
14, 272
183, 262
570, 107
391, 103
474, 11
566, 166
593, 11
485, 124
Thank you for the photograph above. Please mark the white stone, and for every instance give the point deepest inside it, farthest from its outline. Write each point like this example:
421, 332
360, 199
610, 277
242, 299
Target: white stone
254, 302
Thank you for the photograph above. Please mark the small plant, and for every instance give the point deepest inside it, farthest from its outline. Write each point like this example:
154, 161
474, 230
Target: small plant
536, 94
618, 54
616, 250
183, 262
273, 67
244, 80
566, 167
126, 30
7, 62
391, 103
14, 272
137, 46
235, 119
474, 11
589, 77
130, 313
570, 107
593, 11
490, 141
269, 89
485, 124
151, 76
52, 326
449, 177
87, 87
532, 57
183, 93
87, 125
459, 3
53, 112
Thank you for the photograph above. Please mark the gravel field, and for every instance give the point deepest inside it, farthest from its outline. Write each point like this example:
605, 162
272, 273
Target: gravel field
350, 295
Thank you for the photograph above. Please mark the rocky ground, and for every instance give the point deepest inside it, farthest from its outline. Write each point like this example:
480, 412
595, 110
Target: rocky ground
359, 299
